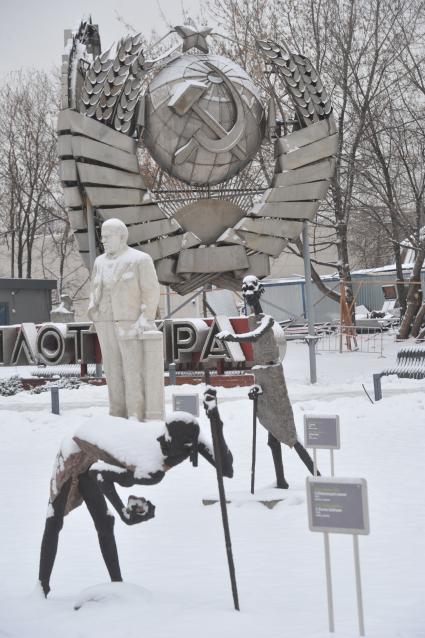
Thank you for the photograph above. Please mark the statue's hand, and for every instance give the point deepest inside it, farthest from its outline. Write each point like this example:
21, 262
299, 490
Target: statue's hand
143, 324
224, 335
254, 392
210, 399
138, 510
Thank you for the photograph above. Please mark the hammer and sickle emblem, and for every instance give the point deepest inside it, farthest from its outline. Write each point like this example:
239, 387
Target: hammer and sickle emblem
186, 98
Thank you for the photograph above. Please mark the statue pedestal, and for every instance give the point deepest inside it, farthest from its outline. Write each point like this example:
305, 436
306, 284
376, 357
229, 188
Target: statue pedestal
153, 375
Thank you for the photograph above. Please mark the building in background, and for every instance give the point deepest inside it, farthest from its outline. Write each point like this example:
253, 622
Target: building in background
25, 300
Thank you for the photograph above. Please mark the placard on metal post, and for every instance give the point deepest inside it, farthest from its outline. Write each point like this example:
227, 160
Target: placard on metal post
322, 432
54, 394
339, 505
186, 403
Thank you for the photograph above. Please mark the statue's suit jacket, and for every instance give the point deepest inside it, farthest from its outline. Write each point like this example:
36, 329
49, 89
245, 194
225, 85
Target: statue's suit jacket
133, 290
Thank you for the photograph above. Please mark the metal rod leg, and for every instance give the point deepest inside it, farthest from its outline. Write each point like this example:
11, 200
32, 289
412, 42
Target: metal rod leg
254, 444
377, 387
358, 584
309, 304
332, 463
329, 583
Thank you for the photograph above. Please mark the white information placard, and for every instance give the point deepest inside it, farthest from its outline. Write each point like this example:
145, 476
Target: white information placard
186, 403
337, 505
321, 431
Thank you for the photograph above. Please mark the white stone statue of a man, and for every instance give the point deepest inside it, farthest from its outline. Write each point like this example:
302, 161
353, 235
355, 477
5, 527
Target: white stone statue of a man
123, 303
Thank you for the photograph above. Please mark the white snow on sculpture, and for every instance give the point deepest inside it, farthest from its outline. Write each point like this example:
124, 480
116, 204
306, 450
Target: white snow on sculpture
125, 440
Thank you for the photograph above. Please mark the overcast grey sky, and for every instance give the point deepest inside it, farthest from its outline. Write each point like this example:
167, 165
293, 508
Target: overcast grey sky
31, 31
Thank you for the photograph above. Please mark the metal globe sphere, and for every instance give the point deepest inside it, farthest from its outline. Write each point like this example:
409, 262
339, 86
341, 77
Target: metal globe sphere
204, 120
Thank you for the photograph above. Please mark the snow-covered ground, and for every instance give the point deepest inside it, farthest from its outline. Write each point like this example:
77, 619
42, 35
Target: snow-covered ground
175, 569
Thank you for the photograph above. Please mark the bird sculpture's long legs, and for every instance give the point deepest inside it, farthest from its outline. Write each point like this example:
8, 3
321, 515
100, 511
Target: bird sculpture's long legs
104, 523
276, 450
305, 457
49, 544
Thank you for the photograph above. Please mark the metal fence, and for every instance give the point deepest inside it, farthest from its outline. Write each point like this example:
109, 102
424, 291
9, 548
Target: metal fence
351, 339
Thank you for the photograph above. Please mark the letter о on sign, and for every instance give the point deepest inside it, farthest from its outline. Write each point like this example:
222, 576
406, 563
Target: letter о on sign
53, 347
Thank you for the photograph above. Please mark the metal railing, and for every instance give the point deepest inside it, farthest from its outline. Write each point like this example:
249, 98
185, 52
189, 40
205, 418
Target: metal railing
351, 339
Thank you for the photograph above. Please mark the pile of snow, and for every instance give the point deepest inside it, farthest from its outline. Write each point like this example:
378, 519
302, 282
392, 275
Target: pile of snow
179, 556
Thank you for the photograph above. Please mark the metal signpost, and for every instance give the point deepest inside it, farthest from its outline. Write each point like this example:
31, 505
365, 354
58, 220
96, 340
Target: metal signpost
309, 303
172, 373
54, 393
322, 432
186, 403
339, 505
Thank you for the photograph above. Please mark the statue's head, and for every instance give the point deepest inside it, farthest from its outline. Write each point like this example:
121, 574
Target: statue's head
252, 289
182, 435
114, 236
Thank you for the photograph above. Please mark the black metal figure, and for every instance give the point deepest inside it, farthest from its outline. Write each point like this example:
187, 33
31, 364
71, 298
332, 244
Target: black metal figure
274, 408
179, 442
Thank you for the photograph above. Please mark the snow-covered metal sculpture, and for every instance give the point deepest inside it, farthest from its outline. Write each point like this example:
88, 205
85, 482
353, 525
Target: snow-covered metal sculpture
112, 451
210, 217
274, 408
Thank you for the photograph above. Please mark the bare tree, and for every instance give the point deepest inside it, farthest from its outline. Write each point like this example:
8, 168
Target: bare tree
362, 50
28, 164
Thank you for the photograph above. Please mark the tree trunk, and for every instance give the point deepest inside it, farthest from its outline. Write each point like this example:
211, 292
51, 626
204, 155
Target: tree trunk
417, 324
414, 295
401, 288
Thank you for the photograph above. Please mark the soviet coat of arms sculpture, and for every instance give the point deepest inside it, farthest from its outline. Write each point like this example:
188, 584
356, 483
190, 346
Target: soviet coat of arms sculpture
202, 121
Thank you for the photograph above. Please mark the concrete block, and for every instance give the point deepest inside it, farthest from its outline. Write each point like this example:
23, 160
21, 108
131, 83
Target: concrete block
104, 196
323, 169
68, 170
274, 227
166, 271
72, 197
259, 265
86, 149
82, 239
267, 244
77, 219
298, 192
133, 214
64, 146
212, 259
287, 210
153, 375
78, 124
305, 136
167, 246
230, 237
209, 218
103, 176
153, 230
308, 154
